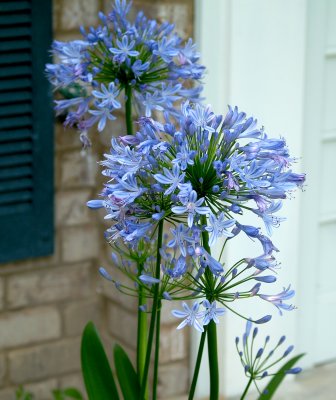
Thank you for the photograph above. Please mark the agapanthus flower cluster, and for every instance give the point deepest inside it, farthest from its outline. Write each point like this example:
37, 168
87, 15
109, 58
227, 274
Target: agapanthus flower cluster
147, 60
259, 363
199, 176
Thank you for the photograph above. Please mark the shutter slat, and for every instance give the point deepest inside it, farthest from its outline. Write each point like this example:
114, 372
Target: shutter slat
20, 208
14, 97
15, 70
9, 45
15, 32
14, 19
15, 109
15, 58
15, 185
16, 147
10, 136
17, 159
16, 197
12, 84
10, 6
25, 120
16, 172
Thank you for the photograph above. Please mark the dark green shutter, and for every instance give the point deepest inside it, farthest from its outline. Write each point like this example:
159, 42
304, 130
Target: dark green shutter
26, 131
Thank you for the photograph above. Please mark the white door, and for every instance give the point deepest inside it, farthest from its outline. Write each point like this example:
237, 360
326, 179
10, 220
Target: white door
256, 58
318, 267
278, 60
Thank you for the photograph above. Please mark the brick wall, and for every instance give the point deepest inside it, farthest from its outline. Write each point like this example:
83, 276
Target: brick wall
45, 302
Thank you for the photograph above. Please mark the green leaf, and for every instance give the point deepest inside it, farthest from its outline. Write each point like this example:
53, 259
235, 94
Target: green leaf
73, 393
96, 370
58, 394
21, 394
69, 393
275, 382
128, 379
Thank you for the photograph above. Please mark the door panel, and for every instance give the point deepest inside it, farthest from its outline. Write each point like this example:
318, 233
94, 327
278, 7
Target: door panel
324, 263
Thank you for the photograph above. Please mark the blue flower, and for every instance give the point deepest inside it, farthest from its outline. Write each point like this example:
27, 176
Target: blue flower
148, 280
262, 262
263, 320
181, 236
166, 49
108, 96
218, 227
133, 232
202, 117
127, 190
139, 68
253, 175
61, 75
113, 210
173, 178
266, 279
267, 244
184, 157
121, 8
103, 272
190, 315
188, 54
278, 299
62, 105
123, 161
71, 53
208, 261
124, 49
233, 117
192, 206
232, 182
151, 101
269, 219
211, 312
170, 93
250, 230
102, 114
179, 269
293, 371
288, 350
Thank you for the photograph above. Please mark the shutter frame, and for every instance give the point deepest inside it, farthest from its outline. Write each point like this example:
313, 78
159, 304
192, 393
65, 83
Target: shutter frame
26, 230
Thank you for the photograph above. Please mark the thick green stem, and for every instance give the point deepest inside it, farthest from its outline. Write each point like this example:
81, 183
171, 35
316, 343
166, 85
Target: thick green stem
157, 350
212, 329
128, 110
213, 361
246, 389
142, 331
205, 236
153, 314
205, 243
197, 365
142, 316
